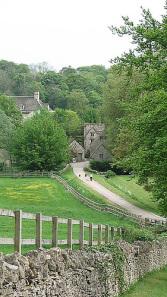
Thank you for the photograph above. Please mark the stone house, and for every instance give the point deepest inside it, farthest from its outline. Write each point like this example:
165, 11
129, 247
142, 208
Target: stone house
77, 151
29, 105
95, 142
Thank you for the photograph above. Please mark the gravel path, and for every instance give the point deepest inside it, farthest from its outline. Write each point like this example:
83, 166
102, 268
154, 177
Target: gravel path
116, 199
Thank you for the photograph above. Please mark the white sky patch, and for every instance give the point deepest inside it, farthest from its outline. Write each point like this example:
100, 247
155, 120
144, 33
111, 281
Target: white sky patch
67, 32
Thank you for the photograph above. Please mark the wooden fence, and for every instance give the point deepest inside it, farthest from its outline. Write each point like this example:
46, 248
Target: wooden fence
105, 233
15, 174
108, 208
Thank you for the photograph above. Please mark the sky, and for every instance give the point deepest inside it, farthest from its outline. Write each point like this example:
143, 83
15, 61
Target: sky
67, 32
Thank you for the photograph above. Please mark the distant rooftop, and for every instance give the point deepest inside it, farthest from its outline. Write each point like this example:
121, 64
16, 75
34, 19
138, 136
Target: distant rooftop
28, 104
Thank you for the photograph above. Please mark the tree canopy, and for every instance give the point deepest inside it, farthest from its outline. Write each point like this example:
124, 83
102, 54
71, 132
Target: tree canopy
40, 143
6, 131
68, 88
9, 107
69, 120
135, 103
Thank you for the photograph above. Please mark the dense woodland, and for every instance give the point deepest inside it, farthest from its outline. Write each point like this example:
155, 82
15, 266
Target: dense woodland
80, 89
130, 97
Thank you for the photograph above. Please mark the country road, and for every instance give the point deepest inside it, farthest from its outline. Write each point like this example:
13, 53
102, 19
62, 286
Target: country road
114, 198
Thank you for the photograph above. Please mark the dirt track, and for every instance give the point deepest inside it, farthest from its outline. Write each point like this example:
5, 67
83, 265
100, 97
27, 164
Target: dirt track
116, 199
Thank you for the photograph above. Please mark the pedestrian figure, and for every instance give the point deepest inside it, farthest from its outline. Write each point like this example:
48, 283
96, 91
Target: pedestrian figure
79, 175
91, 177
85, 175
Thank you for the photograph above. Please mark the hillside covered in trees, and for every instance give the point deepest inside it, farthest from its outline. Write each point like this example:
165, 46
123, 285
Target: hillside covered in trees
80, 90
130, 98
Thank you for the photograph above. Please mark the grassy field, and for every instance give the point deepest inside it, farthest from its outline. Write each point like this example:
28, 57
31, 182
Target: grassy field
49, 197
82, 188
127, 187
153, 285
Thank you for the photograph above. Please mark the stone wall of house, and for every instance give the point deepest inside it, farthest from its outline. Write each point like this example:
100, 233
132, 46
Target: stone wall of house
91, 133
83, 273
99, 154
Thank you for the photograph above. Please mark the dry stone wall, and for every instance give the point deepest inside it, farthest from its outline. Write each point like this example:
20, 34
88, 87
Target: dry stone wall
87, 273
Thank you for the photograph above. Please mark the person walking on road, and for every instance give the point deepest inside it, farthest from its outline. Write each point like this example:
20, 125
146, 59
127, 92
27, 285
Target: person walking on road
91, 177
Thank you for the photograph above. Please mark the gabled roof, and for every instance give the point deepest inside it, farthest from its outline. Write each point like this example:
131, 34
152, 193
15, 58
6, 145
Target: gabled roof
92, 152
75, 146
98, 128
28, 104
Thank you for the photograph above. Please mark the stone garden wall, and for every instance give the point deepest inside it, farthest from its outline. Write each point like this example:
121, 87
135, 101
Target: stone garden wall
87, 273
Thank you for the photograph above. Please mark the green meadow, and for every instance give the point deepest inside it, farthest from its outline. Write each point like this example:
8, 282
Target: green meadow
49, 197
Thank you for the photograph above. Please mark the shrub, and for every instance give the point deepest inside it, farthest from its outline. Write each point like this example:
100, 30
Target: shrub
90, 170
104, 166
1, 166
109, 174
101, 166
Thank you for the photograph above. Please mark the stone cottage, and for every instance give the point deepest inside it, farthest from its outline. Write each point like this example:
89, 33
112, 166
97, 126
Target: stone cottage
77, 151
95, 142
29, 105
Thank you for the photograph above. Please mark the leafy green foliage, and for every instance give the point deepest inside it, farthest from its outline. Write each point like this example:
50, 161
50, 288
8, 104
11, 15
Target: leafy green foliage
77, 101
8, 106
6, 131
109, 174
40, 144
136, 111
100, 165
78, 89
69, 120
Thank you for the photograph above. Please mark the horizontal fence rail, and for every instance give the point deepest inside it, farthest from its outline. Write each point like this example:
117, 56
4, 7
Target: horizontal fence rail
104, 233
98, 206
97, 234
9, 173
90, 203
109, 208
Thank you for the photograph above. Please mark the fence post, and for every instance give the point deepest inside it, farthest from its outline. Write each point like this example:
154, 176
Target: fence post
123, 233
69, 234
54, 231
147, 222
38, 240
112, 233
120, 232
81, 234
90, 234
106, 233
99, 234
18, 229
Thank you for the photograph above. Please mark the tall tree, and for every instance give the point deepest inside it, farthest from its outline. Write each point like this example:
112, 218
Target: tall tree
69, 120
10, 109
141, 114
40, 143
77, 101
6, 131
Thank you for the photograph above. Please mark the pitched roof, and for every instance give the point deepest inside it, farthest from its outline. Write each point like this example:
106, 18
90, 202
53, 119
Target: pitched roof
28, 104
98, 128
75, 146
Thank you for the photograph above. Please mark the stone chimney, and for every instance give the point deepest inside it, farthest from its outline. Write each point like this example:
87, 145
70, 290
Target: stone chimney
36, 96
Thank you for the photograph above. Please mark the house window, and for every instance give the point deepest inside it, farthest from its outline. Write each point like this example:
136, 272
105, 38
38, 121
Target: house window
91, 140
101, 156
92, 134
22, 107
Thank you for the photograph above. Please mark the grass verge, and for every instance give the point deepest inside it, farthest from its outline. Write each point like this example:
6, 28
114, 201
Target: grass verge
152, 285
127, 187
